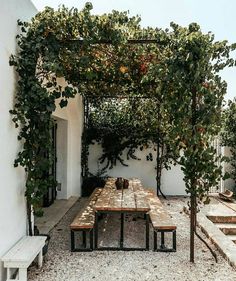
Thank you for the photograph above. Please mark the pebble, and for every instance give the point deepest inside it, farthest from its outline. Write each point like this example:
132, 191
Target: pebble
62, 265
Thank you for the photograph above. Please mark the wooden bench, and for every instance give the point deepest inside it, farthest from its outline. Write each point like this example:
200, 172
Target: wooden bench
22, 255
84, 223
161, 222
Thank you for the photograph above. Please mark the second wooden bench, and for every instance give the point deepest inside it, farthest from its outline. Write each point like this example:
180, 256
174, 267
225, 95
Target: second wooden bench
84, 223
161, 222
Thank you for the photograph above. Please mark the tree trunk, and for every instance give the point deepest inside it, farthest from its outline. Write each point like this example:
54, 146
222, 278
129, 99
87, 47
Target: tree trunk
192, 225
158, 176
29, 217
193, 207
159, 157
159, 169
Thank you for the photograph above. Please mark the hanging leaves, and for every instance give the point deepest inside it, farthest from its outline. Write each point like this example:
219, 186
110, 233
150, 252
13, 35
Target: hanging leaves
179, 72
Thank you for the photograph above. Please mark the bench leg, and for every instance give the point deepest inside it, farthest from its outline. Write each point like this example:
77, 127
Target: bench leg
84, 239
163, 248
22, 274
155, 240
72, 240
83, 247
163, 240
8, 273
174, 240
40, 259
91, 239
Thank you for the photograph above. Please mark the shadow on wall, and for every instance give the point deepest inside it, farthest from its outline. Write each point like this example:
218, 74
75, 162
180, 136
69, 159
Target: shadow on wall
172, 180
90, 183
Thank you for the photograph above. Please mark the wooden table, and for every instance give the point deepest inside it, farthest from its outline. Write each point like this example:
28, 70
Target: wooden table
127, 201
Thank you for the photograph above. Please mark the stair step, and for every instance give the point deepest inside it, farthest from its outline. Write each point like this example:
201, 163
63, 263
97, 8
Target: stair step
222, 219
232, 237
227, 228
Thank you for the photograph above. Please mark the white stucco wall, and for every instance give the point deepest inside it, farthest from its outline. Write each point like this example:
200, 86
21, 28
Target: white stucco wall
172, 180
12, 201
69, 133
229, 183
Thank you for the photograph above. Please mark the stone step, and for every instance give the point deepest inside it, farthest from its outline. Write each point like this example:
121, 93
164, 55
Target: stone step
227, 228
222, 219
232, 238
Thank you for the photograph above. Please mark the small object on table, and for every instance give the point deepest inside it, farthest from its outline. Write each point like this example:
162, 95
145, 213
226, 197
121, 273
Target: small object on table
125, 184
119, 183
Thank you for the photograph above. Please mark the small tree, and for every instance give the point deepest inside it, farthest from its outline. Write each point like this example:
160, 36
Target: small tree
195, 98
193, 93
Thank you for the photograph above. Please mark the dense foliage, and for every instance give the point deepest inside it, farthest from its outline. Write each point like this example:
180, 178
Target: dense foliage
124, 125
97, 57
229, 135
45, 54
195, 101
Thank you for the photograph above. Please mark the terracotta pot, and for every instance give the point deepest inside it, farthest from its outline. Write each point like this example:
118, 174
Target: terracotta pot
119, 183
125, 183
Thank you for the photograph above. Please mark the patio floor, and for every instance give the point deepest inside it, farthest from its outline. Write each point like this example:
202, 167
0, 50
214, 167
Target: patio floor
54, 213
61, 264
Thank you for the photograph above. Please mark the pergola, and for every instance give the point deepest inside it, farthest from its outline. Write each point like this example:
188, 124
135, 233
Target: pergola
183, 75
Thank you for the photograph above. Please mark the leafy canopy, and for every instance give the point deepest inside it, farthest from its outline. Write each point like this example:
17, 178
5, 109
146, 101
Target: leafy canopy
179, 71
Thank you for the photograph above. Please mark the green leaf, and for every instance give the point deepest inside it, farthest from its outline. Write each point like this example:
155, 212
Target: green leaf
63, 103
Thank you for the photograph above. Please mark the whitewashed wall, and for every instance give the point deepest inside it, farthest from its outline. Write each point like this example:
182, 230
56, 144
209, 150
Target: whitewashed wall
172, 180
229, 183
69, 133
12, 201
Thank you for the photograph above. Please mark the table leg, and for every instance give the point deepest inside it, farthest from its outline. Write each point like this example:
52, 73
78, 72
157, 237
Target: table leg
122, 230
96, 231
84, 239
147, 232
72, 240
91, 239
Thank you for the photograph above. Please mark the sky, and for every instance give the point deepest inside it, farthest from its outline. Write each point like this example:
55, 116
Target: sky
217, 16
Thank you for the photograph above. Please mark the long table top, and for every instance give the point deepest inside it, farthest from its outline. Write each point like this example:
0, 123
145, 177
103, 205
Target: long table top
132, 199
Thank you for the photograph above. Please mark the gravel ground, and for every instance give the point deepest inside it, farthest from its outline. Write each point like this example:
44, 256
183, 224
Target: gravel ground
60, 264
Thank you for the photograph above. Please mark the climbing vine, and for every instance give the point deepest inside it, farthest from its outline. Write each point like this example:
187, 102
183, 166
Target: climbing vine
47, 52
127, 123
106, 56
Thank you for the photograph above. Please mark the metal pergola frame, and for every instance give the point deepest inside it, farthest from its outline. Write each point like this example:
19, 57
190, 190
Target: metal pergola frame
121, 241
86, 103
144, 41
193, 199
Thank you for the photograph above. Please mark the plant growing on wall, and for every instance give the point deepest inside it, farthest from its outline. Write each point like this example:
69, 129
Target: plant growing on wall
228, 135
47, 51
179, 71
123, 125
